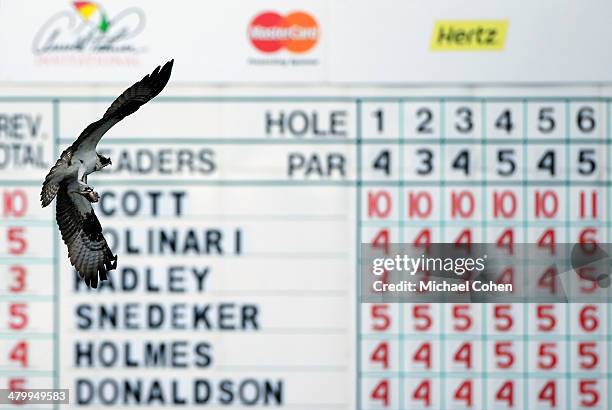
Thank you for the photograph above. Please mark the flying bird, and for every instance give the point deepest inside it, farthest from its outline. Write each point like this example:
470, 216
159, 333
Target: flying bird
80, 228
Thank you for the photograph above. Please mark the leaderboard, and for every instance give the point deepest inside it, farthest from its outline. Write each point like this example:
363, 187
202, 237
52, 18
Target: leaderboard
236, 280
238, 221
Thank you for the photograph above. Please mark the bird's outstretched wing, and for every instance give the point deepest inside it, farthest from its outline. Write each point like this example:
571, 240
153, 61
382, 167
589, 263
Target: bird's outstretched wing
127, 103
54, 177
82, 233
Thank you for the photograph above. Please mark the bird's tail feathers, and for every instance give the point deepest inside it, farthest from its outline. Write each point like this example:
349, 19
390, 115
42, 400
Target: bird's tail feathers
99, 273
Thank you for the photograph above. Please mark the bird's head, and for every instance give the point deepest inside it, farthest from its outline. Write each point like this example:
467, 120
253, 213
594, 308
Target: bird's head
102, 162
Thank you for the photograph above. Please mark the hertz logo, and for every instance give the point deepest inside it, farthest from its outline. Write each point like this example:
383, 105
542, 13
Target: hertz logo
469, 35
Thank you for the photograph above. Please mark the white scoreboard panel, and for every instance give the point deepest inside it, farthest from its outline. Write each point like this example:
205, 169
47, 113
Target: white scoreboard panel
237, 200
238, 219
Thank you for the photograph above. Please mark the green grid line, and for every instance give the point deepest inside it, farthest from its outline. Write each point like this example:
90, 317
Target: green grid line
609, 231
30, 260
525, 240
30, 335
56, 270
442, 108
568, 319
28, 298
347, 183
483, 217
348, 141
401, 210
314, 98
325, 183
491, 337
358, 194
27, 373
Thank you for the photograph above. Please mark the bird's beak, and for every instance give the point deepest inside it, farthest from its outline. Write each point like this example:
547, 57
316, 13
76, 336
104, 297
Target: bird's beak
110, 162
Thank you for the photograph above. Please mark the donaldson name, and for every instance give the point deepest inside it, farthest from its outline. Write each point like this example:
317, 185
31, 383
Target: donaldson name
433, 286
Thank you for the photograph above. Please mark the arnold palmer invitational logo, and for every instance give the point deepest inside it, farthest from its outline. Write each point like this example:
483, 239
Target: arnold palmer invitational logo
87, 28
296, 33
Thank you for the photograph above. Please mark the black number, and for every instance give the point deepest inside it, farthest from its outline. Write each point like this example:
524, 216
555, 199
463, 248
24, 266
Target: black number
506, 158
426, 160
383, 162
547, 162
379, 120
546, 122
466, 125
586, 119
424, 126
504, 121
586, 161
462, 162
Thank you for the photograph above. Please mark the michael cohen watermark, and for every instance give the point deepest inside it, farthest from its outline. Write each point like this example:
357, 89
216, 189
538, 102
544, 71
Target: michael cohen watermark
411, 266
485, 273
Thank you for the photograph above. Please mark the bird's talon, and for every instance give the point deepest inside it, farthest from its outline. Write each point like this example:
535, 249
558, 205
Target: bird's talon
86, 189
93, 196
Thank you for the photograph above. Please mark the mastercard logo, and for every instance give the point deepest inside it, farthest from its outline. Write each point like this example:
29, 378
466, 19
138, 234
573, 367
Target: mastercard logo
297, 32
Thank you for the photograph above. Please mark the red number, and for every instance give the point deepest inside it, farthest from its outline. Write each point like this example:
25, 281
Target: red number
16, 385
381, 392
503, 317
506, 277
588, 318
19, 353
506, 393
421, 312
15, 203
381, 354
547, 350
504, 349
16, 240
378, 208
19, 276
460, 312
380, 315
17, 312
586, 350
464, 355
547, 320
587, 285
548, 393
548, 280
588, 388
381, 241
588, 236
423, 392
423, 354
464, 393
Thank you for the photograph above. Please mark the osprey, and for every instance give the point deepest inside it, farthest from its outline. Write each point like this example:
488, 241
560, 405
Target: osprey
81, 231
